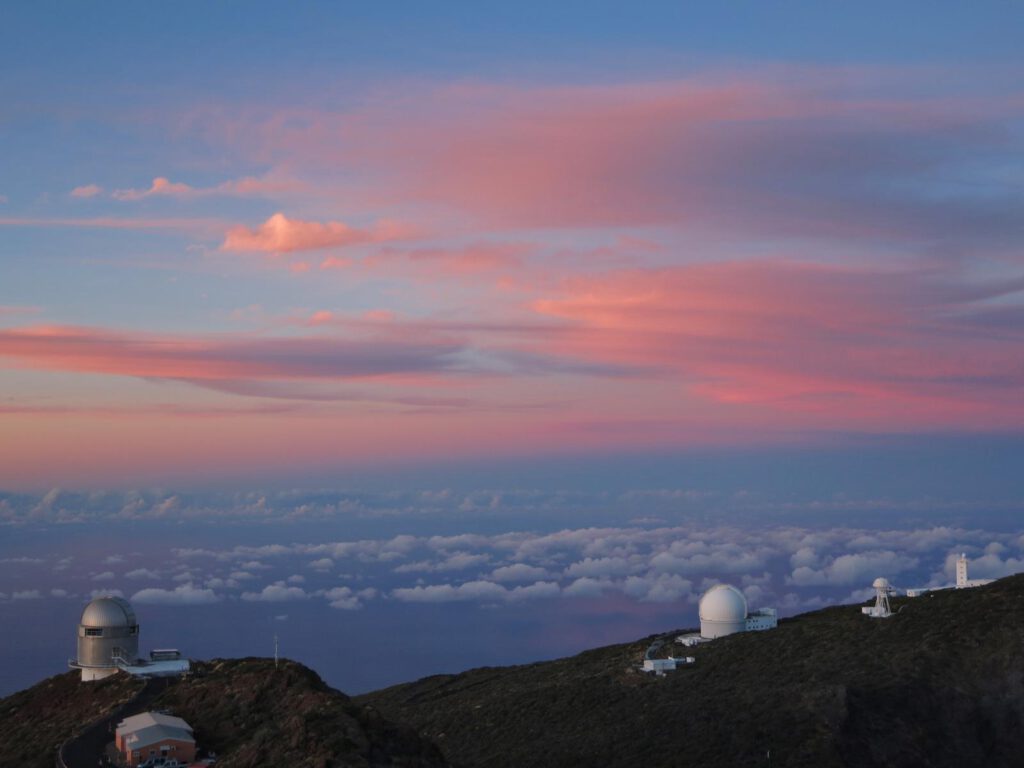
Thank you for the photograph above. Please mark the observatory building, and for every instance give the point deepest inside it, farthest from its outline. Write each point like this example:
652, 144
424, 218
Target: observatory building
962, 582
881, 609
723, 611
108, 633
108, 642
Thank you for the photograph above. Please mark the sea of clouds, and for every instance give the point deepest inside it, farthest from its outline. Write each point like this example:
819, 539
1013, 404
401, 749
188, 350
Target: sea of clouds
502, 570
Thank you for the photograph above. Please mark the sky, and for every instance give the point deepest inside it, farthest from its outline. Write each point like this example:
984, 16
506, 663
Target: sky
308, 272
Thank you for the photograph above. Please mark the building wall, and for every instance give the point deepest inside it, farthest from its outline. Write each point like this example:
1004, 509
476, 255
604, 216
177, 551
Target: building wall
712, 629
181, 750
97, 673
763, 619
961, 571
666, 665
96, 650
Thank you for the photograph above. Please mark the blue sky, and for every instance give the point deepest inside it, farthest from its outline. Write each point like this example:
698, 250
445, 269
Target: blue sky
705, 274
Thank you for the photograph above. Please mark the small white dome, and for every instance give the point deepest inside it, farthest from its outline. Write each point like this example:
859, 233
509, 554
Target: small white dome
880, 583
109, 612
723, 603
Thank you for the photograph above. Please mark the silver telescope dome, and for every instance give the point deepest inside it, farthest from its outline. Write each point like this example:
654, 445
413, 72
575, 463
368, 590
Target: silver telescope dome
107, 635
109, 612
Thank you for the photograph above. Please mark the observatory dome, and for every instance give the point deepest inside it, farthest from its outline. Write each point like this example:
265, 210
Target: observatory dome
107, 634
880, 583
723, 611
109, 612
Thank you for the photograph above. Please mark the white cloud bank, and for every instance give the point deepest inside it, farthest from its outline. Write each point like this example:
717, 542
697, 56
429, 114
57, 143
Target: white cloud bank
184, 594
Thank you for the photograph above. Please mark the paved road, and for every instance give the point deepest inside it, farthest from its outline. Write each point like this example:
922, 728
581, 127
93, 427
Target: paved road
86, 750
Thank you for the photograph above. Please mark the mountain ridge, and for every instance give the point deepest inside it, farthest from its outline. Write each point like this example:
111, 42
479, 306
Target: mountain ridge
941, 683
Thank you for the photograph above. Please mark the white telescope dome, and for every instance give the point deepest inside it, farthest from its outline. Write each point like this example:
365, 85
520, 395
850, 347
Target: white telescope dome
723, 611
880, 583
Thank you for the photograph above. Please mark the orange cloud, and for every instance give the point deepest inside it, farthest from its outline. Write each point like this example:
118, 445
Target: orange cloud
279, 234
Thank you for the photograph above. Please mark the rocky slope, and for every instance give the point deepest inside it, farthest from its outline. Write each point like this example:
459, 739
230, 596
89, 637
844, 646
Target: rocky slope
939, 684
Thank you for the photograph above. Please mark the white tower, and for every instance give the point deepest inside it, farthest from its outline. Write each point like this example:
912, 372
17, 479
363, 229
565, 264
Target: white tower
881, 609
961, 571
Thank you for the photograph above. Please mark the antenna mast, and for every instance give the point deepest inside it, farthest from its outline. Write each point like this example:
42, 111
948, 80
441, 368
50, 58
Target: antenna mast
275, 650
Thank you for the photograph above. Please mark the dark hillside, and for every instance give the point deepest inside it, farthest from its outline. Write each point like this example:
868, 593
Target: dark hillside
252, 714
940, 684
34, 722
248, 712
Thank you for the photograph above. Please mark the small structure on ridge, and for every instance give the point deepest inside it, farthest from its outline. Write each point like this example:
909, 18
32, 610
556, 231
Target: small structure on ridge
881, 609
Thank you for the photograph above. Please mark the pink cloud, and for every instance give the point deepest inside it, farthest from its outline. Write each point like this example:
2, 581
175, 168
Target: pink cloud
9, 310
279, 234
473, 259
86, 191
247, 186
798, 153
336, 262
159, 187
847, 347
320, 317
221, 357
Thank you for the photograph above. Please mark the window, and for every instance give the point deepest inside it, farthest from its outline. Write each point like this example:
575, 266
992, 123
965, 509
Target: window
90, 632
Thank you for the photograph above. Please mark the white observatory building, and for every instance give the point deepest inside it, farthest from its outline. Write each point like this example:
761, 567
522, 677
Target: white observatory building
723, 611
962, 582
107, 634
